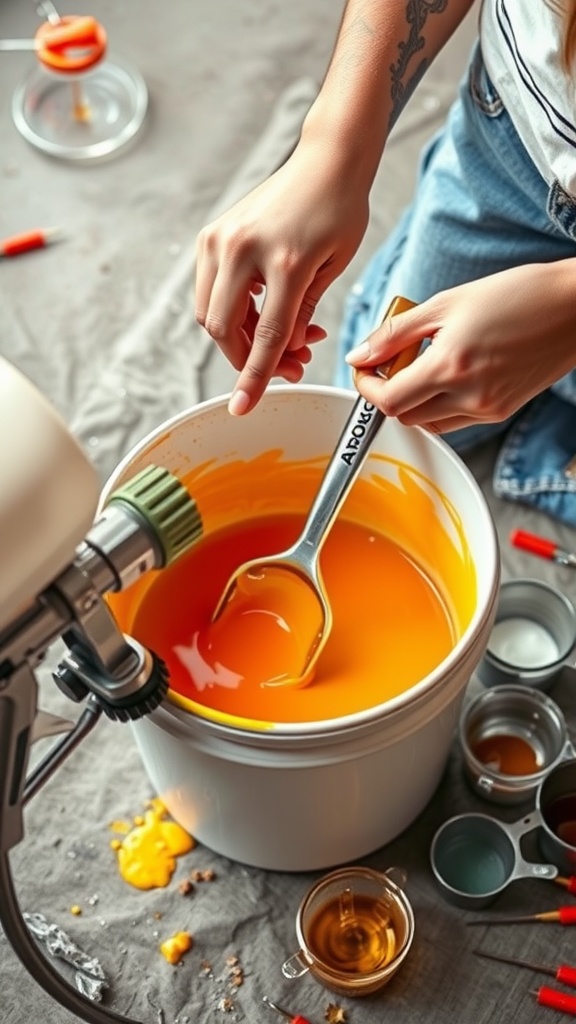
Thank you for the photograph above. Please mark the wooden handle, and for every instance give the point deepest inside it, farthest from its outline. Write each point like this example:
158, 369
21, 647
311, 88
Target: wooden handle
408, 355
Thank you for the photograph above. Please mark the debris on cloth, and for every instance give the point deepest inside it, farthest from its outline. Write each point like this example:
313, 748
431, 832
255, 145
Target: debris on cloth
89, 977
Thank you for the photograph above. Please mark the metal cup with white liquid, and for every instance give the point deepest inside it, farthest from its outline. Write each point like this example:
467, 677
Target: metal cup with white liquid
532, 638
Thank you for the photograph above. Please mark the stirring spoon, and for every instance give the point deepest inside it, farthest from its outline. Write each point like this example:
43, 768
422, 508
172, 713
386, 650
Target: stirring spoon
289, 584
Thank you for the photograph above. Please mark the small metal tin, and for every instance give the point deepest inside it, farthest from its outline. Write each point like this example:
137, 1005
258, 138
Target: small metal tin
474, 858
557, 832
533, 634
519, 720
343, 896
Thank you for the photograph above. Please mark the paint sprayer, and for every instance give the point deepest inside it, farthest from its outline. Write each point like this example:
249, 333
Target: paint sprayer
58, 558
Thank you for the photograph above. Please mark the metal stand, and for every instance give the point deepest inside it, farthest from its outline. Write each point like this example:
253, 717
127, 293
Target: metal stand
145, 526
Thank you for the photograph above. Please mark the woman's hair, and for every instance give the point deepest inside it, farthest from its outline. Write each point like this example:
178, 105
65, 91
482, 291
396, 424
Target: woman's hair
569, 36
566, 9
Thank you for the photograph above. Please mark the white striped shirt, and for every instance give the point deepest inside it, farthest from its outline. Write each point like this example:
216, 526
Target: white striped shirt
521, 46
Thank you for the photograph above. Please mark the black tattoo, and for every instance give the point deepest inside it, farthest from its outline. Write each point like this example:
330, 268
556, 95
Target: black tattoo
402, 82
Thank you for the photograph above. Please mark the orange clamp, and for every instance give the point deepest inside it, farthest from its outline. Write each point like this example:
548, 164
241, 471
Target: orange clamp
75, 43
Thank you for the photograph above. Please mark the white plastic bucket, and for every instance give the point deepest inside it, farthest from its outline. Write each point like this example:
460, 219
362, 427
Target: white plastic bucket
308, 796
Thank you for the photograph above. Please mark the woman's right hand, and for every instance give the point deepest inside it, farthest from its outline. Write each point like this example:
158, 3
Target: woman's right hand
290, 237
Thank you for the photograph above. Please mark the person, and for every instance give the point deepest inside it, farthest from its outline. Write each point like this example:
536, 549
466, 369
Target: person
487, 248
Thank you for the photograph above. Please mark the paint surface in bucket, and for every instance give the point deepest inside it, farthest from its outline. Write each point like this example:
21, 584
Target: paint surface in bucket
369, 656
397, 570
264, 634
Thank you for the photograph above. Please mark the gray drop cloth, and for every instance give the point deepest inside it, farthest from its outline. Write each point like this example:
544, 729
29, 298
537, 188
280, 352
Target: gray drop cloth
103, 323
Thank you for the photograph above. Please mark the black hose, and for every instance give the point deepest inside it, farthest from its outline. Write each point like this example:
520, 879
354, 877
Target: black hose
46, 768
26, 949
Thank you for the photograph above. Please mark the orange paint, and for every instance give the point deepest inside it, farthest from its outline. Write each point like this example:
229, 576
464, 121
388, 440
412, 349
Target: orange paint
397, 571
270, 621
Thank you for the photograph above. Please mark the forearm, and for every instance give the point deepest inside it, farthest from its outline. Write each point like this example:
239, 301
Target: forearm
383, 49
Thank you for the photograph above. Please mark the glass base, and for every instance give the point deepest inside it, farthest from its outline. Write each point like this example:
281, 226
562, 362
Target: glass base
81, 117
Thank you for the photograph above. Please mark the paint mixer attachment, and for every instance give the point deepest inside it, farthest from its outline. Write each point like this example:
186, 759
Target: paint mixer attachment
58, 562
76, 103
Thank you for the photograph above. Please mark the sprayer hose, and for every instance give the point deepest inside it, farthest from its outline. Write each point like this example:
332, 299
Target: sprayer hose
26, 949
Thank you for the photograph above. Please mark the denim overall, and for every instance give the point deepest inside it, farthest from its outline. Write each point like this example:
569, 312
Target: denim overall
481, 207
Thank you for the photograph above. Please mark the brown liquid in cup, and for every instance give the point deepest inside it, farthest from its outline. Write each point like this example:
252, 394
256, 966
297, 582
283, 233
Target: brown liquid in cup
560, 815
507, 754
510, 755
353, 933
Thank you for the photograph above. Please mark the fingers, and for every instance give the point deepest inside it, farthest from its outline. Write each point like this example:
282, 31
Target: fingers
224, 306
259, 344
406, 392
279, 335
436, 413
313, 334
449, 424
293, 361
395, 334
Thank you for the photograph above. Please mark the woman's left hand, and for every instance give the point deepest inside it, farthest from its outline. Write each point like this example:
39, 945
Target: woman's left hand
494, 344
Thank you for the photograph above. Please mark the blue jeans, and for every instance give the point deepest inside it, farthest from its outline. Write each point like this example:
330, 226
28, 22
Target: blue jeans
481, 207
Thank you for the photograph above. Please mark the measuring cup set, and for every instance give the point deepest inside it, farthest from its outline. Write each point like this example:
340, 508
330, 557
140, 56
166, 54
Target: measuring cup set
515, 748
355, 912
474, 857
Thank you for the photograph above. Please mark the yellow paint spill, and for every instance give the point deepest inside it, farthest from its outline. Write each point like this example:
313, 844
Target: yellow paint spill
147, 854
174, 948
122, 827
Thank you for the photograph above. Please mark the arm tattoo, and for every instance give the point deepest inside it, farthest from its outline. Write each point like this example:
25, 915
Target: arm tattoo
402, 82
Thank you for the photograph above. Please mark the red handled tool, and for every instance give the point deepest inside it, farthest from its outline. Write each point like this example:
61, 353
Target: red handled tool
297, 1019
565, 974
568, 883
564, 915
541, 546
28, 240
546, 996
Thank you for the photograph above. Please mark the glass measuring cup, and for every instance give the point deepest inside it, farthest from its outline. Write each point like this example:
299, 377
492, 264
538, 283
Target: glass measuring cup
474, 857
354, 929
77, 103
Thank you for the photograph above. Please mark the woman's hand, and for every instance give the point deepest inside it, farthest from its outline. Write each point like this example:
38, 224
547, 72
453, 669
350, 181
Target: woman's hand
290, 237
495, 343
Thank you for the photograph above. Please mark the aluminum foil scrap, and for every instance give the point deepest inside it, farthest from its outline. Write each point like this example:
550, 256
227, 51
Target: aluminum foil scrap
89, 975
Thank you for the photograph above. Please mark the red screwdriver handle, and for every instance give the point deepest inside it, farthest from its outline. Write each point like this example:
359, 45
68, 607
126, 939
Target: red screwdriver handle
535, 545
557, 1000
566, 975
567, 915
